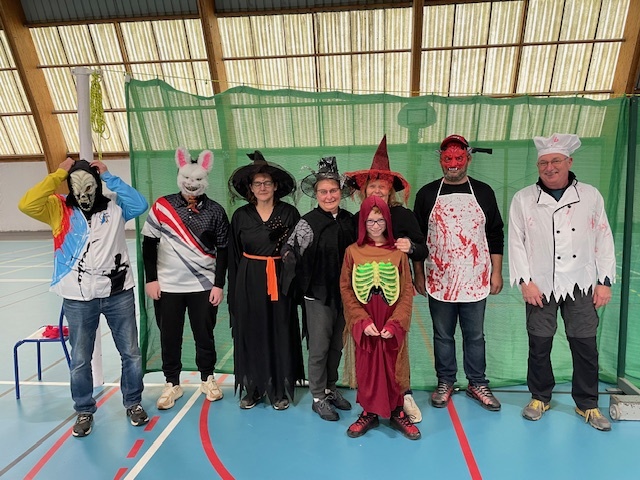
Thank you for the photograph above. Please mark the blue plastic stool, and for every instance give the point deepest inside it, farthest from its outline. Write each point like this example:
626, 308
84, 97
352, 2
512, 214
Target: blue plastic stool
37, 338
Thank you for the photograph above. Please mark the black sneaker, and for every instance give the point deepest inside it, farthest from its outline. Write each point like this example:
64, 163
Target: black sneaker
338, 401
137, 415
83, 424
325, 409
250, 400
281, 404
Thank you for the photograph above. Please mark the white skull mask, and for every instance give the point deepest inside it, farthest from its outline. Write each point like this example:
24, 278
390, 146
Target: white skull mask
84, 188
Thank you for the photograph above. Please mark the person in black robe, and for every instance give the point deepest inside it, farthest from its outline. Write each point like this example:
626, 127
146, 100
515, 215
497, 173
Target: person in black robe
265, 327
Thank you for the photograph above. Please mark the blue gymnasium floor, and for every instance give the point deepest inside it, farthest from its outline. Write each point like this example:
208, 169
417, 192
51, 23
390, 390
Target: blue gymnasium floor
218, 440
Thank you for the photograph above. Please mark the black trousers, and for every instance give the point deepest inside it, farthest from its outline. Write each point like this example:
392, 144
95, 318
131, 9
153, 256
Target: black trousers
581, 325
541, 381
170, 316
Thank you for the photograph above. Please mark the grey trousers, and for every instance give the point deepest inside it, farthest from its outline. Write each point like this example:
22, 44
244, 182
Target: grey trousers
324, 325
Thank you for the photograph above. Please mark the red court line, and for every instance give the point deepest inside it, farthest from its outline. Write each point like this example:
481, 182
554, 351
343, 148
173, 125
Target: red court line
65, 436
205, 438
464, 442
120, 473
136, 448
152, 423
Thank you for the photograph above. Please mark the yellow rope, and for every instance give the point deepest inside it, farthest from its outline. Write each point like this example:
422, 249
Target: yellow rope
98, 123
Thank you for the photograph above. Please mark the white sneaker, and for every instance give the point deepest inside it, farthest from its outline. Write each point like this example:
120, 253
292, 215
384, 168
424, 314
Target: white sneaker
169, 396
211, 389
411, 409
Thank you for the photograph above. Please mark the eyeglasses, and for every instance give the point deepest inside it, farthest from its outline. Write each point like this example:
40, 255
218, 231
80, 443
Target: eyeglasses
381, 222
554, 163
324, 193
267, 184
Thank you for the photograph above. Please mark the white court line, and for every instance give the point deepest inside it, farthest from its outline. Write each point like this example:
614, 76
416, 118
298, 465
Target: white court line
26, 266
25, 280
117, 384
24, 258
13, 252
137, 468
39, 265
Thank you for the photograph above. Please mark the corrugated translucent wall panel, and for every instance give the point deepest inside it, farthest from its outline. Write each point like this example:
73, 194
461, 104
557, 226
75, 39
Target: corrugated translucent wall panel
471, 25
437, 28
571, 67
11, 100
77, 44
333, 32
436, 69
23, 132
236, 37
544, 18
536, 69
140, 42
499, 70
62, 88
298, 31
580, 19
6, 147
467, 71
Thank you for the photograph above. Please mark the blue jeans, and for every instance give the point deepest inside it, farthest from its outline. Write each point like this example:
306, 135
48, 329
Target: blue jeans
445, 316
83, 318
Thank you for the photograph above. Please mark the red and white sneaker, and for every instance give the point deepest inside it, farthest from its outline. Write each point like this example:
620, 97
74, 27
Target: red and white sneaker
442, 394
483, 395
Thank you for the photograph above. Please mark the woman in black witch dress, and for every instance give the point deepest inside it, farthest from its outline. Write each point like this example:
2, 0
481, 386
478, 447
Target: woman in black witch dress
266, 333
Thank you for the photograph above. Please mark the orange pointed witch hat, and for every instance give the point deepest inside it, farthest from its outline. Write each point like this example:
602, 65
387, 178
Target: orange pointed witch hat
380, 170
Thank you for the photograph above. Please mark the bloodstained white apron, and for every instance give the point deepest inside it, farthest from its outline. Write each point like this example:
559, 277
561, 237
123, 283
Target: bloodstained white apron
458, 268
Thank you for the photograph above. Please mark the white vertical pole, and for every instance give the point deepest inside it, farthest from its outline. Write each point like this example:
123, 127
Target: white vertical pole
82, 75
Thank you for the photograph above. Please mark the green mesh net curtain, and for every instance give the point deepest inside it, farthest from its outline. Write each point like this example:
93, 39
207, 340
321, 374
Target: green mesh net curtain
295, 129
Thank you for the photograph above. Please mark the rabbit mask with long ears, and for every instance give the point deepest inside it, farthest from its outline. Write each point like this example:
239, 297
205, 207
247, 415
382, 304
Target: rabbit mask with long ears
193, 176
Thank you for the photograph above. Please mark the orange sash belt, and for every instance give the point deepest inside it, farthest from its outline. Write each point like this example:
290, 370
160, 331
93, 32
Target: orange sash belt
272, 278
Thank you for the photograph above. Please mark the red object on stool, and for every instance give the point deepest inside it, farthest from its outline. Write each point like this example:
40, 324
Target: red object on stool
45, 334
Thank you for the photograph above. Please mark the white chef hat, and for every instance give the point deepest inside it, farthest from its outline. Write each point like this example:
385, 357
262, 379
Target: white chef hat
564, 143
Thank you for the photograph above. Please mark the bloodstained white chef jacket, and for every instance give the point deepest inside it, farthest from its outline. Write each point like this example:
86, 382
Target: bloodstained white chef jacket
560, 244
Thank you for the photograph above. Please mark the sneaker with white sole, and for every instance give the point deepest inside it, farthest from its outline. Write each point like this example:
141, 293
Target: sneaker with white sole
211, 389
337, 400
137, 415
594, 418
83, 425
411, 409
169, 396
325, 409
250, 400
535, 409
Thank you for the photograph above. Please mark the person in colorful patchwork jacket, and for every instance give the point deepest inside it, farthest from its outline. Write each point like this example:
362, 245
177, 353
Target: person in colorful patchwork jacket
92, 273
